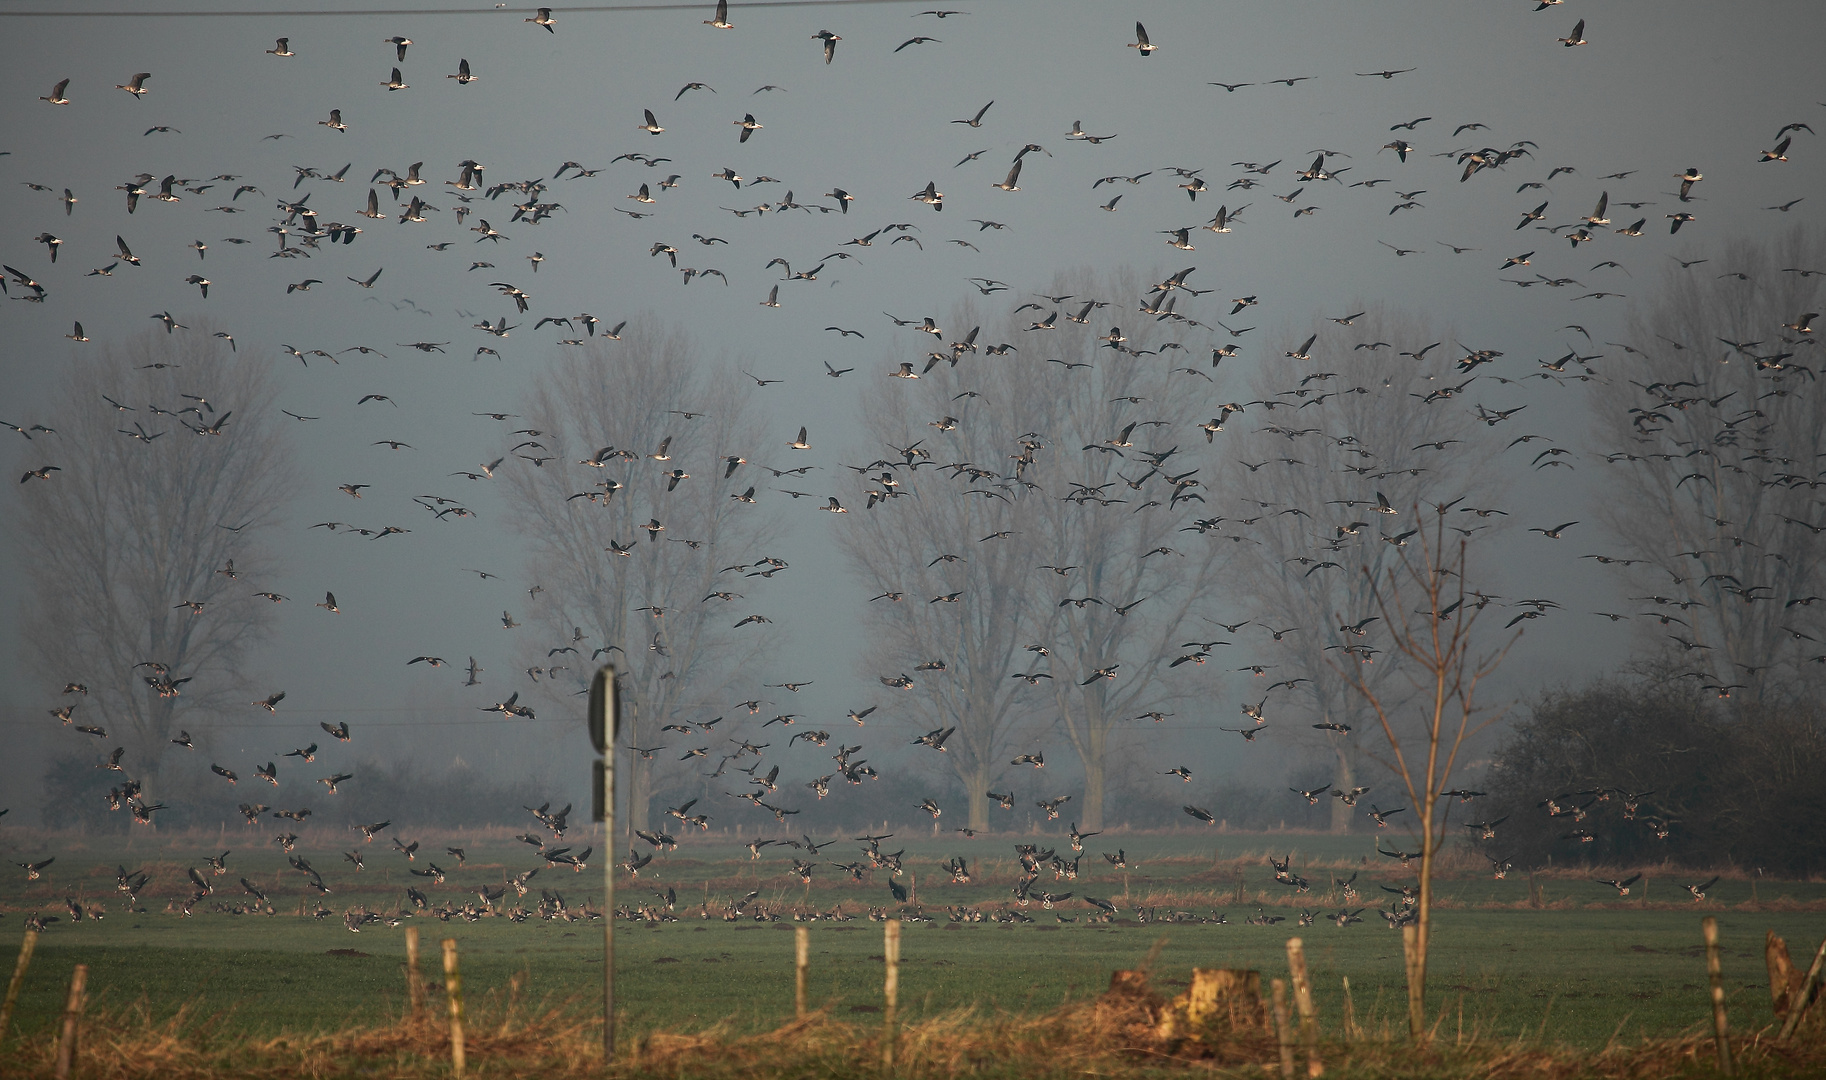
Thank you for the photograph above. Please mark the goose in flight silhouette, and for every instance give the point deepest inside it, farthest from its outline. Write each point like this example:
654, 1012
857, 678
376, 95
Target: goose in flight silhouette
1141, 42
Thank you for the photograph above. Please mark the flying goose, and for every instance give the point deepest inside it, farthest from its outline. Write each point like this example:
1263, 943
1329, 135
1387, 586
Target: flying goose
1141, 42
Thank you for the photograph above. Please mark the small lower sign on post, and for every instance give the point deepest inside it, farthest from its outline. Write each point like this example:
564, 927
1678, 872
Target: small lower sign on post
605, 728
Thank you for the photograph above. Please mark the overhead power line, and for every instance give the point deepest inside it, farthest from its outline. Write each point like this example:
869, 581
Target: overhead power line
403, 12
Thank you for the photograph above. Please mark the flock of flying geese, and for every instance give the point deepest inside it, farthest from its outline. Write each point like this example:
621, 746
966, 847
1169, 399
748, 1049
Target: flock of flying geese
302, 231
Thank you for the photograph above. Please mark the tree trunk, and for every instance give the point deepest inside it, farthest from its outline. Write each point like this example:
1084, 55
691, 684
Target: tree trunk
1344, 778
1417, 975
1417, 979
1093, 774
976, 793
640, 796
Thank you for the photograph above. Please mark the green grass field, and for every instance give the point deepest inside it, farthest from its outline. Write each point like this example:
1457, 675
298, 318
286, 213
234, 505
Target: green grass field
1578, 970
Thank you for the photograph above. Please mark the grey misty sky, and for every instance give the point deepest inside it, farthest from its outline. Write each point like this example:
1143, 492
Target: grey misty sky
1661, 86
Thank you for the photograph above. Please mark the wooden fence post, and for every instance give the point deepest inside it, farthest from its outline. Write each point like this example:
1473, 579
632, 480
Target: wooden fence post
12, 988
1282, 1028
1715, 974
415, 987
453, 988
1797, 1001
802, 947
890, 954
72, 1016
1302, 999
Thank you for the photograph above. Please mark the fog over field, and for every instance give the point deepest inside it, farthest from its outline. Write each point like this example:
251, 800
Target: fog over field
374, 378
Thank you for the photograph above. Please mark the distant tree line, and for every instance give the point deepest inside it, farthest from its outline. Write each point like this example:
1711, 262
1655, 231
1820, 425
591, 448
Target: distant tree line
1651, 767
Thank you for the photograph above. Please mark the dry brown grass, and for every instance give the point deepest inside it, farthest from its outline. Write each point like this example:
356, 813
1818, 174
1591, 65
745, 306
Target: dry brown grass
1110, 1035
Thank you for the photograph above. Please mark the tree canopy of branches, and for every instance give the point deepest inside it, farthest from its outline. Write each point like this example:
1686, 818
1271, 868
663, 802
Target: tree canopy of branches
1380, 429
631, 557
146, 551
896, 546
1660, 771
1048, 487
1717, 424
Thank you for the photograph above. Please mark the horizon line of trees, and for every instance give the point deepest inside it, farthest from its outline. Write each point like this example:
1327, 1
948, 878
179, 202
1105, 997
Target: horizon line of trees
1643, 766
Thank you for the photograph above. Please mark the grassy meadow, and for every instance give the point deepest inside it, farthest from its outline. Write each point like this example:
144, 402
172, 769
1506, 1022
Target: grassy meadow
1578, 966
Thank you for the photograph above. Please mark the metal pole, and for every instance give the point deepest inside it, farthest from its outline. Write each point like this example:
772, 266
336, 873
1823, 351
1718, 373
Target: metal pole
608, 908
604, 723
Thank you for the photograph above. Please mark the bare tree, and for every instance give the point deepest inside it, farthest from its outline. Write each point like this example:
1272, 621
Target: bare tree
146, 551
1310, 458
944, 555
1425, 738
1715, 420
1125, 517
645, 550
1062, 462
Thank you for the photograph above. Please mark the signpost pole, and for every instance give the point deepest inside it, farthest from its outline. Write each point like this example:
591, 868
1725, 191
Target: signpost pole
605, 729
608, 909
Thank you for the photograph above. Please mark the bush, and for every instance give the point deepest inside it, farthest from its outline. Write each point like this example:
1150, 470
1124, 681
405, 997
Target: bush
1745, 787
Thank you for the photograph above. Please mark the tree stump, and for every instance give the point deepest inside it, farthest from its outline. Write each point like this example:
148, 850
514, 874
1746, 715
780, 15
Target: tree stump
1784, 978
1220, 1004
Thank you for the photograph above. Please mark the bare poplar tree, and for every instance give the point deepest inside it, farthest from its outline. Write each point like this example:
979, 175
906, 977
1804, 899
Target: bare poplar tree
1309, 458
632, 556
1123, 517
945, 556
146, 550
1716, 425
1061, 457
